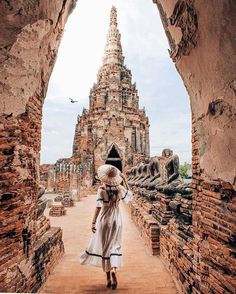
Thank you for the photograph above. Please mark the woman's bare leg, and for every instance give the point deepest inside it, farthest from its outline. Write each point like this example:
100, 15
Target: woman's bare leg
114, 278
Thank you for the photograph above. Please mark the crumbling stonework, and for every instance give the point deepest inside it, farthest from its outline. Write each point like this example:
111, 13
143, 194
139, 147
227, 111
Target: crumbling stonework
191, 226
202, 42
161, 195
57, 210
63, 175
30, 35
207, 67
113, 130
147, 225
47, 177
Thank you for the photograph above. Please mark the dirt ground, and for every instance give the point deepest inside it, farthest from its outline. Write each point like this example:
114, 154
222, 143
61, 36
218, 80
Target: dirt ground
141, 273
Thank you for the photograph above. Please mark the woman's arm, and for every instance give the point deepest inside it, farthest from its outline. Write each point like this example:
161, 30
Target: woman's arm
96, 213
125, 181
126, 193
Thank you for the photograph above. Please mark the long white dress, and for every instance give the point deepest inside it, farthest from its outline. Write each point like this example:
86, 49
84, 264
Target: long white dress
104, 249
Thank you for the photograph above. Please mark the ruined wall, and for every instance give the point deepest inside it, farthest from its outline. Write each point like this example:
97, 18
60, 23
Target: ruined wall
201, 36
192, 229
213, 228
30, 35
65, 176
62, 175
47, 176
201, 254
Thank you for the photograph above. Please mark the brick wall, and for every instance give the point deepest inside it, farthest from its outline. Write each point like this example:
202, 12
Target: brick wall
19, 239
214, 229
197, 240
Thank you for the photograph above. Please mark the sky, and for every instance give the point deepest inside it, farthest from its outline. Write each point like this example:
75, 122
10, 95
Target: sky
145, 48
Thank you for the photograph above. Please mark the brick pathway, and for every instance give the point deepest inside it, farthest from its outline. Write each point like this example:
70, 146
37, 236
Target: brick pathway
142, 273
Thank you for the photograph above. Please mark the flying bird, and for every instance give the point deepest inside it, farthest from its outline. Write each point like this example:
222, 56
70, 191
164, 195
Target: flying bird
72, 101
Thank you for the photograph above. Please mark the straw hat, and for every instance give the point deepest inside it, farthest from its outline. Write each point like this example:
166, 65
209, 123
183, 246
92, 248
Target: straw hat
109, 175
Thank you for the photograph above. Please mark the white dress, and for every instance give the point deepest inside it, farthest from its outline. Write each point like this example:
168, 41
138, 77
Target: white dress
104, 249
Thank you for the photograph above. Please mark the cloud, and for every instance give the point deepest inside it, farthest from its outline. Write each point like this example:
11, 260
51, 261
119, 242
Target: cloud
145, 45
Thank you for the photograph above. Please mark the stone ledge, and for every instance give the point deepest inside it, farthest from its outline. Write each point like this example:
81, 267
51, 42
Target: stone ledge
57, 210
147, 226
48, 251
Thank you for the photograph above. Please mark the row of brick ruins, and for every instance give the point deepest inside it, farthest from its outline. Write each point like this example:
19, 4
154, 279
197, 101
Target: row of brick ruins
194, 232
197, 245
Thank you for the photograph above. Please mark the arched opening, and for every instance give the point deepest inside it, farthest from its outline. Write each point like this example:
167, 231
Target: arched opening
113, 158
34, 41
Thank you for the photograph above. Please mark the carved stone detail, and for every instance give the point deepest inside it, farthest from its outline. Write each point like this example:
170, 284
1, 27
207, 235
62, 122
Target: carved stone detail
184, 16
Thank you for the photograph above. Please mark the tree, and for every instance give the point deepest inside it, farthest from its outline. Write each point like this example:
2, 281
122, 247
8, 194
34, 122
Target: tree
184, 170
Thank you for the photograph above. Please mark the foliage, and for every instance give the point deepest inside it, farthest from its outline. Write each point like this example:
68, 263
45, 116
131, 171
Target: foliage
184, 170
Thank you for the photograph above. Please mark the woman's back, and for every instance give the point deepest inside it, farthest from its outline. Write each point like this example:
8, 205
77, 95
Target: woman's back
110, 196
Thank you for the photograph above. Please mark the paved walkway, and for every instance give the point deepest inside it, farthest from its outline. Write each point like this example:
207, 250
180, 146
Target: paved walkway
142, 272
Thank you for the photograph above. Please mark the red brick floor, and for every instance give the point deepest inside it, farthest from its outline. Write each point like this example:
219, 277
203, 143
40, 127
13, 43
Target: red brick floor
142, 272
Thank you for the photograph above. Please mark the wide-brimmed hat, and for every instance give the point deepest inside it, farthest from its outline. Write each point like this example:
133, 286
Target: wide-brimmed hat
109, 175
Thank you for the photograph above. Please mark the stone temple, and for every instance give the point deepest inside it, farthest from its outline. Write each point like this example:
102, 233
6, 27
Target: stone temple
191, 230
113, 130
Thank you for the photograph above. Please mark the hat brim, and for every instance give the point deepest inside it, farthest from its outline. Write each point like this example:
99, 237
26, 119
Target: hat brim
111, 181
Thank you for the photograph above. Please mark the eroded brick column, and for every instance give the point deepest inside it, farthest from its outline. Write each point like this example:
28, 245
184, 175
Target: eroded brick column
30, 35
202, 36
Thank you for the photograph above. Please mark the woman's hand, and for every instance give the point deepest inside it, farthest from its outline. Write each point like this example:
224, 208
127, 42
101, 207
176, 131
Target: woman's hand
125, 180
93, 228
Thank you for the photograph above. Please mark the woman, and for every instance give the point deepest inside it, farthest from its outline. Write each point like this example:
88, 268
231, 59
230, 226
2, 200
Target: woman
104, 249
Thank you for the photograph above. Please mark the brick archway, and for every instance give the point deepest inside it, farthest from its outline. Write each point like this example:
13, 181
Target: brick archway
114, 158
202, 45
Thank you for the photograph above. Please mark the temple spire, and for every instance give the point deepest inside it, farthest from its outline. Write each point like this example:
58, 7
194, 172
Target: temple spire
113, 16
113, 50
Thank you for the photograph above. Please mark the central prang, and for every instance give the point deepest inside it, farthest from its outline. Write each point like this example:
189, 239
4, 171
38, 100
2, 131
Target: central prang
113, 130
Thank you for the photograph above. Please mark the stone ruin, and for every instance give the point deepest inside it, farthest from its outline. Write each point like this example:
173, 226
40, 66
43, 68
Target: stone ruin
30, 36
202, 46
58, 198
163, 212
47, 177
113, 130
161, 196
57, 210
67, 202
42, 248
58, 207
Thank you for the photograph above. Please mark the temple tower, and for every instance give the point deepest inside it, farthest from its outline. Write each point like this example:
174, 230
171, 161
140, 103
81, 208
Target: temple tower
113, 130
